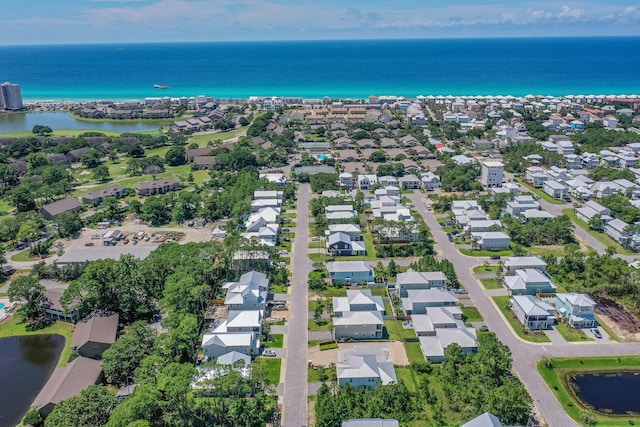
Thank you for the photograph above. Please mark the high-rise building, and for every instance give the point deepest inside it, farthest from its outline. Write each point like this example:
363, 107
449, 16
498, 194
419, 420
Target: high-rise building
11, 98
492, 174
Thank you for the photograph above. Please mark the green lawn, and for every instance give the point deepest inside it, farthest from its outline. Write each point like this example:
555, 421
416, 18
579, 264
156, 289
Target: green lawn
502, 303
271, 367
202, 140
471, 314
562, 368
600, 237
571, 335
320, 257
368, 244
542, 194
279, 289
290, 215
326, 325
490, 283
379, 291
316, 244
393, 330
333, 291
5, 207
13, 328
276, 341
488, 253
414, 352
313, 373
556, 251
485, 269
387, 308
23, 256
406, 376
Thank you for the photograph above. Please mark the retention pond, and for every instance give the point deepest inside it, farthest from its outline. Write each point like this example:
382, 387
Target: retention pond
609, 392
26, 363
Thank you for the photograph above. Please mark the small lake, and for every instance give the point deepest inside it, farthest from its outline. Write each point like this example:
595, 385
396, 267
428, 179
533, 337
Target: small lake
26, 363
609, 392
24, 122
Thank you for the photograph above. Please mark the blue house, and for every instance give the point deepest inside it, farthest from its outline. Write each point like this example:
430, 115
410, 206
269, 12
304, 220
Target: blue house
577, 309
351, 272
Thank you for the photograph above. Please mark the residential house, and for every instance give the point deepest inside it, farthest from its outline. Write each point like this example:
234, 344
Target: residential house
576, 309
555, 189
370, 422
416, 280
627, 188
53, 308
529, 281
352, 230
430, 181
604, 188
533, 313
239, 321
358, 325
340, 244
345, 180
95, 333
53, 210
437, 318
523, 263
536, 176
388, 181
484, 420
484, 225
591, 209
366, 181
267, 194
357, 300
490, 240
410, 182
434, 347
521, 204
351, 272
96, 197
248, 293
418, 301
572, 161
66, 382
491, 174
618, 230
216, 344
365, 367
159, 186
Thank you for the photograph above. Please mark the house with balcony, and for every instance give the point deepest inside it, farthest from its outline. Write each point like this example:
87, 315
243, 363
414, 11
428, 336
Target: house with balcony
351, 272
345, 179
340, 244
490, 240
533, 313
523, 263
352, 230
358, 325
519, 204
409, 182
437, 318
419, 301
248, 293
430, 181
529, 281
555, 189
357, 300
576, 309
366, 181
434, 347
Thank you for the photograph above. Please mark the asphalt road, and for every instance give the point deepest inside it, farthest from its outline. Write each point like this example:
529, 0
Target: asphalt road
295, 388
525, 354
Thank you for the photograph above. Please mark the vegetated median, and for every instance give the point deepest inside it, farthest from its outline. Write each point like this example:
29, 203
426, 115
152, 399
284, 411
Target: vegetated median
557, 372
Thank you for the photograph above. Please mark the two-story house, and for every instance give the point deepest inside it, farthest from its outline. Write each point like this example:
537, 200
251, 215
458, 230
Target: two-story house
576, 309
533, 313
416, 280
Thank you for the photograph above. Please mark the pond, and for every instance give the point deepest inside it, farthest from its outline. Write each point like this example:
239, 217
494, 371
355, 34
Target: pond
24, 122
25, 365
609, 392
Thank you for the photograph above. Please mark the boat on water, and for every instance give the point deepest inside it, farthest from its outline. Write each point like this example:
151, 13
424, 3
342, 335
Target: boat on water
162, 86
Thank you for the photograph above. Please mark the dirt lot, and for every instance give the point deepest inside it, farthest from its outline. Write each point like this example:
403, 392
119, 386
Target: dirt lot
624, 323
325, 358
130, 227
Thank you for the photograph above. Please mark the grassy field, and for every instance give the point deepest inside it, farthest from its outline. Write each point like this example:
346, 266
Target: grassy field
23, 256
202, 140
485, 269
562, 368
571, 335
471, 314
271, 367
490, 283
414, 352
488, 253
387, 308
502, 303
316, 245
13, 328
393, 330
556, 251
276, 341
379, 291
5, 207
326, 325
600, 237
406, 376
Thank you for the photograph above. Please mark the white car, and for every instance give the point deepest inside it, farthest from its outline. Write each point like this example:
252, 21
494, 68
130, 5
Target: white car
269, 353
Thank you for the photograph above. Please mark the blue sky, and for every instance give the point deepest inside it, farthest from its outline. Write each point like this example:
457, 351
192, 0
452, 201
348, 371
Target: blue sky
120, 21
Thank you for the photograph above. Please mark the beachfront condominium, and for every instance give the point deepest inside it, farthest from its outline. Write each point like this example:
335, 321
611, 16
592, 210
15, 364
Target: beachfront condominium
492, 174
10, 97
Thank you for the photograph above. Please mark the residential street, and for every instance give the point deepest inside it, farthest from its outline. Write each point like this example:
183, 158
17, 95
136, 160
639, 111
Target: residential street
295, 389
525, 354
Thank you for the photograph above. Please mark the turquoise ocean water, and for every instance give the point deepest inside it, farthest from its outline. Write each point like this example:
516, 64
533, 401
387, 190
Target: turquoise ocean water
548, 66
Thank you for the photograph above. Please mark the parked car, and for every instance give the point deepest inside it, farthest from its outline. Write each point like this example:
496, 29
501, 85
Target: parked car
495, 256
269, 353
89, 244
596, 332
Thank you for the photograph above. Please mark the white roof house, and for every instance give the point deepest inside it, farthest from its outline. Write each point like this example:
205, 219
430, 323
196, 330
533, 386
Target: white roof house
433, 347
267, 194
533, 313
484, 420
357, 300
240, 321
491, 239
529, 282
248, 292
437, 317
420, 280
358, 325
363, 368
370, 422
217, 344
419, 301
525, 262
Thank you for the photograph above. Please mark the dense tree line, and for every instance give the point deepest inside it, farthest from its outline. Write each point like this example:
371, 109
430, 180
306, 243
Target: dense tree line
600, 173
430, 263
595, 138
538, 231
455, 177
514, 161
621, 208
484, 382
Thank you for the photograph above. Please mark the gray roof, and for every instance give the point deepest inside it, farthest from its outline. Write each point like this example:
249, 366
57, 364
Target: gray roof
69, 381
100, 326
370, 422
65, 205
347, 266
109, 191
484, 420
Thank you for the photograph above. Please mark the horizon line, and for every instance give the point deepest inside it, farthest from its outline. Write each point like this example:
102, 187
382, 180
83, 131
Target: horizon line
325, 40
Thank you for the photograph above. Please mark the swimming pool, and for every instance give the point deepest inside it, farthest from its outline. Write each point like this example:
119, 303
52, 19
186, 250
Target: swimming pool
321, 157
1, 306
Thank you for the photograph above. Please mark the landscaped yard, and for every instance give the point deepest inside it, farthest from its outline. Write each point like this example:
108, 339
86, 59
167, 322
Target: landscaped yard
485, 269
392, 330
414, 352
13, 328
558, 375
471, 314
379, 291
479, 253
600, 237
518, 328
490, 283
325, 325
23, 256
271, 367
316, 244
571, 334
275, 342
406, 376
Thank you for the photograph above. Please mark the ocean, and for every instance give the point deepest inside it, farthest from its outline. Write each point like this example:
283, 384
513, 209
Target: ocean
313, 69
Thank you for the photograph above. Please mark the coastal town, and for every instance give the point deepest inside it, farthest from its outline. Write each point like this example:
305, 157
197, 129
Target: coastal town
434, 260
